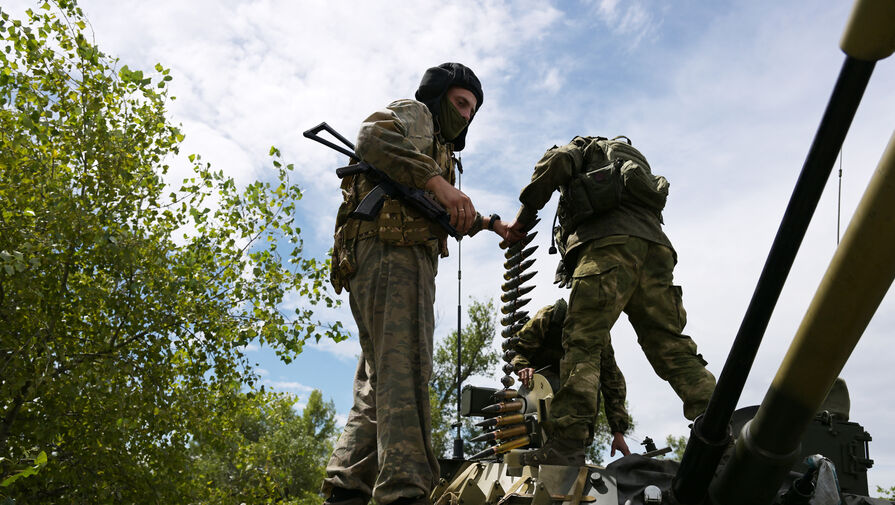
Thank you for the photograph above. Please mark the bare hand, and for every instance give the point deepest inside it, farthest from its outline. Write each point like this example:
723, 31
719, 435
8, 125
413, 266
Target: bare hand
618, 443
458, 205
525, 376
515, 232
500, 228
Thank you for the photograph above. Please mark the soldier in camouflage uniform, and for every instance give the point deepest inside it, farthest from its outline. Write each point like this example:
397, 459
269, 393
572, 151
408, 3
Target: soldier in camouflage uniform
619, 260
540, 346
388, 265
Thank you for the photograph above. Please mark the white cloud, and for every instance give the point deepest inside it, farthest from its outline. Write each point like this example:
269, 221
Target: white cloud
723, 101
289, 386
348, 350
633, 20
551, 81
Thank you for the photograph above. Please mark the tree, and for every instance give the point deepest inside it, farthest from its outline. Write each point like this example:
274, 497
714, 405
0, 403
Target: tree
126, 302
265, 452
478, 358
888, 494
677, 444
602, 438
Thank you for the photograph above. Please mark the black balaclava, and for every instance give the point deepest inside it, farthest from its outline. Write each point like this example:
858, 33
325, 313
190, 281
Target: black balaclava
435, 84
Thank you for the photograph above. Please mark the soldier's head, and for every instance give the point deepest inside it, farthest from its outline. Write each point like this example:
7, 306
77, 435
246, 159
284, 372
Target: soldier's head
453, 94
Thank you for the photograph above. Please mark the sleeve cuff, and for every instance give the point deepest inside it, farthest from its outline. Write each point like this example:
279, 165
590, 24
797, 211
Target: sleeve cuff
519, 363
526, 215
477, 225
618, 425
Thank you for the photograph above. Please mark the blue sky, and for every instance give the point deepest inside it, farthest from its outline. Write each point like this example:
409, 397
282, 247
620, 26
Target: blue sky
723, 98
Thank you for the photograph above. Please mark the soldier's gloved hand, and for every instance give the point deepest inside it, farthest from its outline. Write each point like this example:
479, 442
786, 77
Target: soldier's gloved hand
458, 205
619, 444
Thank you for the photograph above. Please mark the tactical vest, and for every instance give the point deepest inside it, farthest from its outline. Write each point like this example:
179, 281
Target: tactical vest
605, 174
396, 223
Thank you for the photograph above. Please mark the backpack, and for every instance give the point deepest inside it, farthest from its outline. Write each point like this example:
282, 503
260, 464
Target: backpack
608, 172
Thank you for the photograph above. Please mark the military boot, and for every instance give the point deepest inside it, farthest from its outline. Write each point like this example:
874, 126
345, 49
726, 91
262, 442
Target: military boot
557, 451
340, 496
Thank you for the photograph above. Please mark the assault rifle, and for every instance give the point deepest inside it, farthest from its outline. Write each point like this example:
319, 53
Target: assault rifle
370, 206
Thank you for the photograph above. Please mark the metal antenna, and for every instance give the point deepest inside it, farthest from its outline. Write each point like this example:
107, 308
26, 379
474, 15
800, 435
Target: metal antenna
458, 440
839, 204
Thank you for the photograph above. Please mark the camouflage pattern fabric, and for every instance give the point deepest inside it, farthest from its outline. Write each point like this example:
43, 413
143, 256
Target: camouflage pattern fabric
385, 450
401, 141
614, 390
557, 168
388, 265
540, 344
631, 275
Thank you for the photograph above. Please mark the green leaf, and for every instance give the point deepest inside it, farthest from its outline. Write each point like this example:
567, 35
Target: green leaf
141, 295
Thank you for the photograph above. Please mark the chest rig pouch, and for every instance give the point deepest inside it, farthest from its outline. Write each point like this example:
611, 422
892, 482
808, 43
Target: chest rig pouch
403, 225
396, 223
606, 173
596, 185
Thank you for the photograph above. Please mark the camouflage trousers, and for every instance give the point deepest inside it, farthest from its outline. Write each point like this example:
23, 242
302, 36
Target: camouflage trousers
631, 275
385, 450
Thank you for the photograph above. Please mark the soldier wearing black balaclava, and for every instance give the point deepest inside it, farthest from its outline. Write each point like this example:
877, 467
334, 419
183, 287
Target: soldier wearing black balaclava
388, 266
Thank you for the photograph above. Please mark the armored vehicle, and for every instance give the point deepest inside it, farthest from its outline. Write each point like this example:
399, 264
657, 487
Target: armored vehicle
799, 445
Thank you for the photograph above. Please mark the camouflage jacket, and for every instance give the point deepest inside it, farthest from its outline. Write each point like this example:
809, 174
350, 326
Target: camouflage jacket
557, 168
401, 141
540, 345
